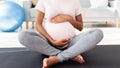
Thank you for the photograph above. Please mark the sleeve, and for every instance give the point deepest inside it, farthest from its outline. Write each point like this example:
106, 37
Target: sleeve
40, 6
78, 9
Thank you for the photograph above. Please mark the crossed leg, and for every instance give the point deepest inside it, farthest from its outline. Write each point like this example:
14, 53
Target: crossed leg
78, 45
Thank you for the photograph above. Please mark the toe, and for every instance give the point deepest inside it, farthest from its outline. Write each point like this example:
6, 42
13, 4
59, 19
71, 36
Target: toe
45, 63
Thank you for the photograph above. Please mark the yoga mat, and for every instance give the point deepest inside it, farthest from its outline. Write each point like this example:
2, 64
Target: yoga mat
104, 56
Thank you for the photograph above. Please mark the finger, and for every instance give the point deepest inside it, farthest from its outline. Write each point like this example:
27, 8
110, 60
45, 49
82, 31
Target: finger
66, 40
65, 43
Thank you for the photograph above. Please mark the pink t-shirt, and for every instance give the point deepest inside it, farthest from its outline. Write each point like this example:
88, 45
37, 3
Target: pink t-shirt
52, 8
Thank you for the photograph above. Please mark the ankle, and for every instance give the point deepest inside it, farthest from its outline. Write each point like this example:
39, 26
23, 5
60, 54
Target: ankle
53, 60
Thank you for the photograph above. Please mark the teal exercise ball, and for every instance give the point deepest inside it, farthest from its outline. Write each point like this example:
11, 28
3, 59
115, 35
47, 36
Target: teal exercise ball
12, 16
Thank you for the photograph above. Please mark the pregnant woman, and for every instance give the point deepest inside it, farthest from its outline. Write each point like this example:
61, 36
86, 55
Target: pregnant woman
55, 36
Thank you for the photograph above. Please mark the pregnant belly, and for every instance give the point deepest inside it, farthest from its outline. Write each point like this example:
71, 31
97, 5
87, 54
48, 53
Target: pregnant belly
60, 31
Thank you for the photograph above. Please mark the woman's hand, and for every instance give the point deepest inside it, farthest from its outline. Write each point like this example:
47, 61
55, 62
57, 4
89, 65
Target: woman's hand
60, 43
60, 18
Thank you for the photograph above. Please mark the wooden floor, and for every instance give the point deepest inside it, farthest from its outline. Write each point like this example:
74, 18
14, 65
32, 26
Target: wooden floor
111, 35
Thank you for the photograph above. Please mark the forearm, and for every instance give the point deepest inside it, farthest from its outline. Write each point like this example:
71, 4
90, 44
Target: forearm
56, 43
78, 25
77, 22
42, 31
39, 26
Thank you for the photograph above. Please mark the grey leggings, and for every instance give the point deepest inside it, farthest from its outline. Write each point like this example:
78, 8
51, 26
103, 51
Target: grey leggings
79, 44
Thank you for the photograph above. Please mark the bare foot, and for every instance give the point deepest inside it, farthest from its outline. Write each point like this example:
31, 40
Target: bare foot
79, 59
47, 62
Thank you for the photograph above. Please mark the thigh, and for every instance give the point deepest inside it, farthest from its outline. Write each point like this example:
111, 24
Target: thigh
36, 42
77, 37
35, 33
81, 43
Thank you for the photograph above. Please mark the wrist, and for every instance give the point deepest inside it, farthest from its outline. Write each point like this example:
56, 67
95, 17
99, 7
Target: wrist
71, 20
51, 41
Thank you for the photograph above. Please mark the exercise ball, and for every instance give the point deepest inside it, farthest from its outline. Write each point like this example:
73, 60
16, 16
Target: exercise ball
11, 16
59, 31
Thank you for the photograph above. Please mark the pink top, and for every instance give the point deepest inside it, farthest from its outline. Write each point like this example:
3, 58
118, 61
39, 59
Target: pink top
52, 8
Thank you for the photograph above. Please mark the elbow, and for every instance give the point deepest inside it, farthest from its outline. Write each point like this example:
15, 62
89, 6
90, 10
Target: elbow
81, 28
36, 27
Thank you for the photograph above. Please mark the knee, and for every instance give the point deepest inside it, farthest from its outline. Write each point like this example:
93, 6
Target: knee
22, 36
99, 34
